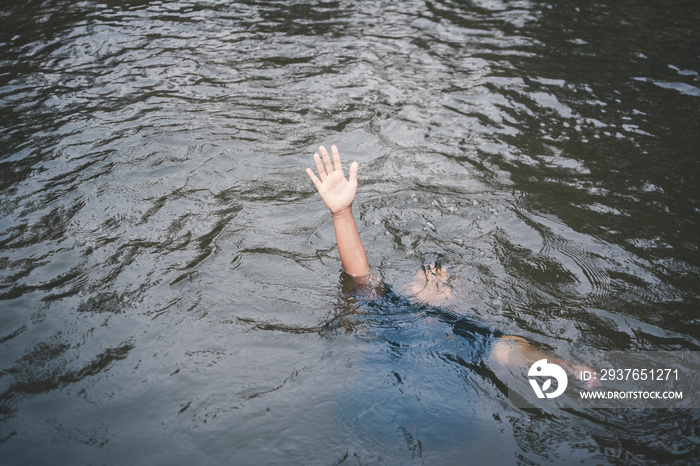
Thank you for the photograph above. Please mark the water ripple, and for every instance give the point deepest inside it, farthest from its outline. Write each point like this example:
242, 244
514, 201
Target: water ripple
162, 253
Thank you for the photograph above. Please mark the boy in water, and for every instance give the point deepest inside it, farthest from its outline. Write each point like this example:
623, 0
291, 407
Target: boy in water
430, 286
338, 193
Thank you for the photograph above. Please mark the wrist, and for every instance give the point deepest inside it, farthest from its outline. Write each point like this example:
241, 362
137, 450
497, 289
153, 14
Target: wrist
343, 213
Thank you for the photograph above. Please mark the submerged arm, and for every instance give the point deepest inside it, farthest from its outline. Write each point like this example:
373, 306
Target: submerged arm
338, 194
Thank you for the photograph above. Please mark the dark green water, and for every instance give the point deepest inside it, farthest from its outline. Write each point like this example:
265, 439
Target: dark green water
170, 290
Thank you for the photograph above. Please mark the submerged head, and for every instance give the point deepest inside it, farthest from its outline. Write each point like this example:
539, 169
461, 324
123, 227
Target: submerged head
433, 282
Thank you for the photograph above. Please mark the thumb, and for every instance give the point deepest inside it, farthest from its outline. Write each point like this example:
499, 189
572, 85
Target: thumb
314, 179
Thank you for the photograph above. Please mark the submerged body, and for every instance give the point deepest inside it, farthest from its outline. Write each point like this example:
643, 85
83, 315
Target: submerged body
431, 288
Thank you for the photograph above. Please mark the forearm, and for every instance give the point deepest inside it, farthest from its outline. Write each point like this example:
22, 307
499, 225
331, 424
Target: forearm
352, 252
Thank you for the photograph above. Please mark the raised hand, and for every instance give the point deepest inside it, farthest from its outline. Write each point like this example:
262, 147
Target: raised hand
337, 192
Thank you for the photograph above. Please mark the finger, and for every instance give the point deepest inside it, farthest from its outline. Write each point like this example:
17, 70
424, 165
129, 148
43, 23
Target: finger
319, 167
354, 168
336, 158
314, 179
326, 160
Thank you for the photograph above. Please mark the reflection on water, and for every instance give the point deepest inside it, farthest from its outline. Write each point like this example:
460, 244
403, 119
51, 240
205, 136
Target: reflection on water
169, 280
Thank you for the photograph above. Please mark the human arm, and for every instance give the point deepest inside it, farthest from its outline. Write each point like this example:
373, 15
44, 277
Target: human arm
338, 193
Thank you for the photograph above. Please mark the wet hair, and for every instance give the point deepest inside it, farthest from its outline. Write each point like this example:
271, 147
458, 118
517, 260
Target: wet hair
435, 262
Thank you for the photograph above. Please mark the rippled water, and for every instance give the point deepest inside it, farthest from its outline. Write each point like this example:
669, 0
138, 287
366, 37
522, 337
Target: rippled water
170, 291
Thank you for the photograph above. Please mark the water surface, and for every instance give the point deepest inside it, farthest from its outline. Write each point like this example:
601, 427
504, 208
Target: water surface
170, 290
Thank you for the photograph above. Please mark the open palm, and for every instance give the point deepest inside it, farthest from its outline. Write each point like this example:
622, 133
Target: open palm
336, 191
